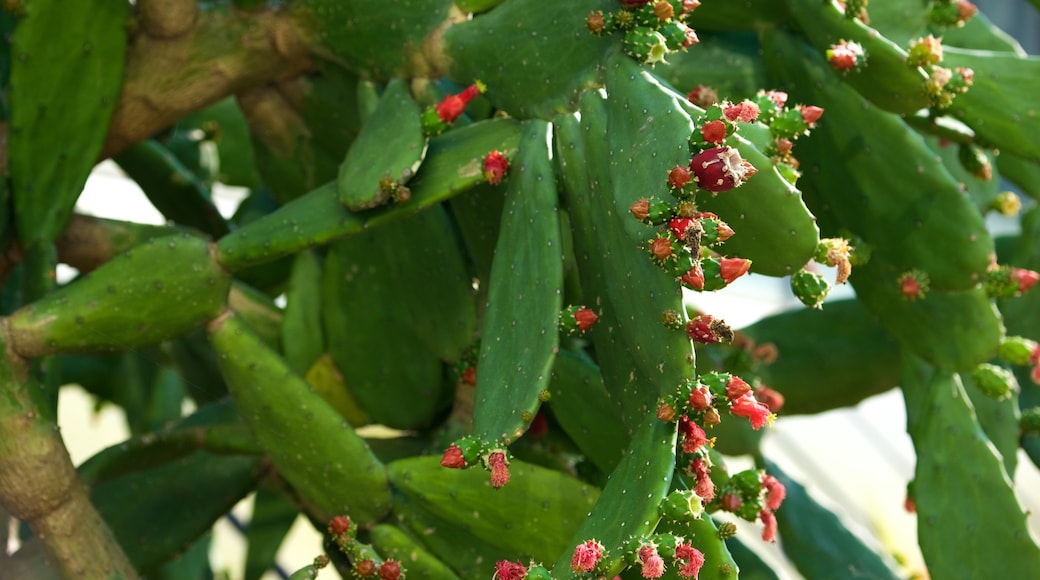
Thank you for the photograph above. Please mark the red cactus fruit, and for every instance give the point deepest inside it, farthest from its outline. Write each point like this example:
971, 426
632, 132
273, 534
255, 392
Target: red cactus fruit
365, 568
339, 525
720, 169
390, 570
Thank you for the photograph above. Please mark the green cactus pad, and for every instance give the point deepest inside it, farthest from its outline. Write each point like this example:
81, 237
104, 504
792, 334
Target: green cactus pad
628, 506
728, 63
371, 333
582, 406
391, 542
981, 191
60, 106
453, 164
544, 55
703, 534
999, 421
629, 291
960, 485
900, 21
818, 543
827, 359
885, 80
174, 503
745, 15
156, 291
998, 106
378, 40
534, 515
314, 449
519, 338
878, 177
387, 152
303, 339
1022, 172
979, 33
477, 215
273, 516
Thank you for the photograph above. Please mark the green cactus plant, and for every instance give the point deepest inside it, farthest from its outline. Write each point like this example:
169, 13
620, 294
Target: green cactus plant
485, 218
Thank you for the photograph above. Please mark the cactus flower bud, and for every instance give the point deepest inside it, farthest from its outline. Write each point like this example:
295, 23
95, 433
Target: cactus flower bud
690, 5
845, 55
732, 268
499, 466
993, 381
366, 568
663, 10
651, 211
679, 177
666, 412
720, 169
339, 525
506, 570
747, 407
810, 114
694, 278
974, 161
703, 96
700, 398
770, 398
596, 22
1008, 281
1018, 350
736, 387
452, 458
810, 288
1026, 279
768, 526
586, 555
661, 249
730, 502
705, 329
652, 565
714, 132
452, 106
1006, 203
585, 318
913, 284
495, 167
689, 559
390, 570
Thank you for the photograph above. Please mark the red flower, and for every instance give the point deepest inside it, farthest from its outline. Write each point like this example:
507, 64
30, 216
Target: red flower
452, 106
732, 268
769, 526
746, 406
453, 458
586, 555
770, 398
692, 560
720, 169
736, 387
499, 469
506, 570
775, 492
495, 166
693, 437
779, 98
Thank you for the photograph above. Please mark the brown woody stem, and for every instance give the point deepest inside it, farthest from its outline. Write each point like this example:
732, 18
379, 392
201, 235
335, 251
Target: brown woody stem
39, 485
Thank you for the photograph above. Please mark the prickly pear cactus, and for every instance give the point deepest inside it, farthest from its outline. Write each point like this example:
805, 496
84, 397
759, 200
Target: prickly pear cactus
448, 323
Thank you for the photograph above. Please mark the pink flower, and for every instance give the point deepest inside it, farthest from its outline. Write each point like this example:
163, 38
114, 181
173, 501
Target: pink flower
653, 564
736, 387
770, 398
499, 469
692, 560
779, 98
775, 492
506, 570
845, 55
769, 525
746, 406
745, 111
586, 555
